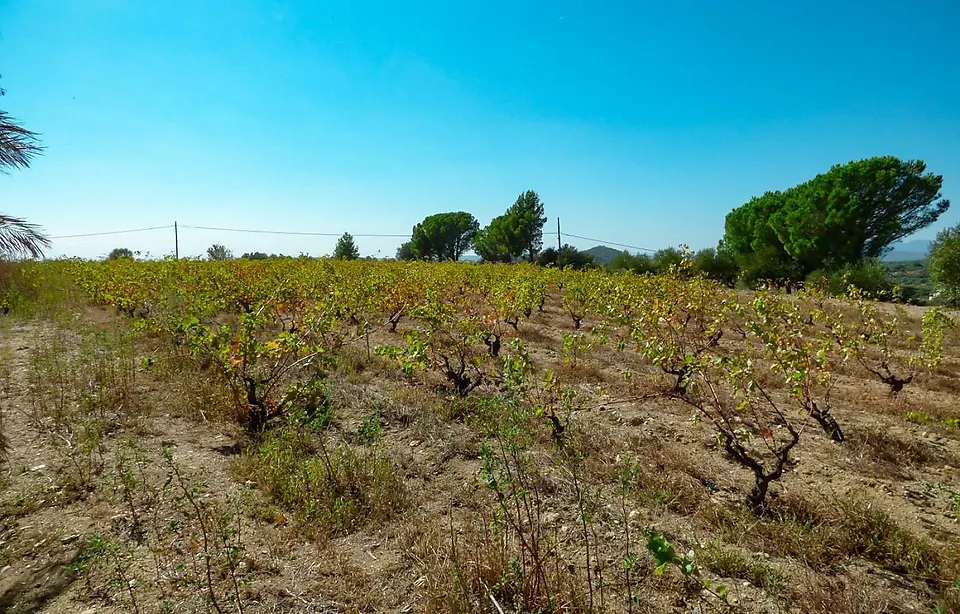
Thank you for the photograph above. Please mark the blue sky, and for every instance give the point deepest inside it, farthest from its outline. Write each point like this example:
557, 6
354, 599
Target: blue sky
638, 123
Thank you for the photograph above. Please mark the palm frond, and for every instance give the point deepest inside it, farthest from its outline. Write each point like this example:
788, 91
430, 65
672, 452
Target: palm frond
21, 238
17, 144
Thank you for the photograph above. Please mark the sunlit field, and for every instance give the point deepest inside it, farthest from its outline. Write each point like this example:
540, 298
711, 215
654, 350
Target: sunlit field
297, 435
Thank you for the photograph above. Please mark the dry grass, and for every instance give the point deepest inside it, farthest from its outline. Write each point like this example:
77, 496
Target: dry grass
823, 535
891, 456
333, 489
841, 594
475, 567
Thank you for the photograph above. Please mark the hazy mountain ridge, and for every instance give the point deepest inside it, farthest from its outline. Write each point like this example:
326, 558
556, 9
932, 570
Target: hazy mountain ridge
916, 249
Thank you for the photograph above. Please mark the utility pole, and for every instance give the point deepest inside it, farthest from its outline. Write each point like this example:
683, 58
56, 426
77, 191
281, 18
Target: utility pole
176, 242
559, 245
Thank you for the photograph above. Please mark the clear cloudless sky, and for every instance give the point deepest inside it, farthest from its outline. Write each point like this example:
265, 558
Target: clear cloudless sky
641, 123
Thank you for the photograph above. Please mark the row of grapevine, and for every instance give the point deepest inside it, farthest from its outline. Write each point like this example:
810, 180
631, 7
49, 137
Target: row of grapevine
270, 328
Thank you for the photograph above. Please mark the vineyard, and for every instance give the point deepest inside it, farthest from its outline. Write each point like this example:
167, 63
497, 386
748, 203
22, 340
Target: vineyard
298, 435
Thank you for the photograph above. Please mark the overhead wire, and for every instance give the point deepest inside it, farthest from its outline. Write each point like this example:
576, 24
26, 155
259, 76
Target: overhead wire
317, 234
112, 232
644, 249
293, 232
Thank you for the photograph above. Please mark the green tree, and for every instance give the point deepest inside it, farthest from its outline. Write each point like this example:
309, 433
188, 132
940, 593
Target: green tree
869, 275
346, 249
498, 242
218, 252
852, 212
528, 220
405, 251
444, 236
945, 265
515, 234
665, 258
120, 252
567, 256
718, 264
636, 263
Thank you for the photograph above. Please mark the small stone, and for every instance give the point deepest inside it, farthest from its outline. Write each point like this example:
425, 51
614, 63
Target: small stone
415, 443
37, 468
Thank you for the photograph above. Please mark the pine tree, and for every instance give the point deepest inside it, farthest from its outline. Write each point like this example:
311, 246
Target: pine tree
346, 249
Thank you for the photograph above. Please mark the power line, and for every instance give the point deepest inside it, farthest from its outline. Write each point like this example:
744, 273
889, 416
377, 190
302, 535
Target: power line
111, 232
314, 234
288, 232
645, 249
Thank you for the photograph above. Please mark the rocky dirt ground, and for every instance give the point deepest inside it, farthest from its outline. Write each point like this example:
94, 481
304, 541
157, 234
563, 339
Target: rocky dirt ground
93, 522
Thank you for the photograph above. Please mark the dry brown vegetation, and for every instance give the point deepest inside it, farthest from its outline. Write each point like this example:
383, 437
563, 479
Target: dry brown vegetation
132, 484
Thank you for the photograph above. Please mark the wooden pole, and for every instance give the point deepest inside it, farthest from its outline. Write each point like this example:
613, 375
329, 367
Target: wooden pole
559, 245
176, 242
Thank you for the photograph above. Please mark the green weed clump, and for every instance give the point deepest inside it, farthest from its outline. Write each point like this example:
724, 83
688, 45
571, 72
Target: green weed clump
334, 491
730, 563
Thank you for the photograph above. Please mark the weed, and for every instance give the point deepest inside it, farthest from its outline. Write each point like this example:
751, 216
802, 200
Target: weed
119, 560
80, 393
371, 428
665, 554
336, 490
506, 470
730, 563
195, 541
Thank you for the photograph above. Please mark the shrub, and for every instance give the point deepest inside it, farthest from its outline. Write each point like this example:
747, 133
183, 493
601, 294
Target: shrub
945, 265
635, 263
868, 276
120, 252
217, 252
568, 256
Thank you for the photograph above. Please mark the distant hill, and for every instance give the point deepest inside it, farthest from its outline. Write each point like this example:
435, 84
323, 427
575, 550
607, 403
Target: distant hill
906, 251
602, 254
